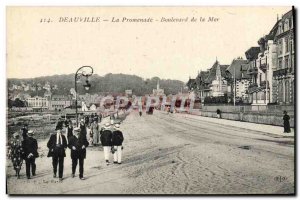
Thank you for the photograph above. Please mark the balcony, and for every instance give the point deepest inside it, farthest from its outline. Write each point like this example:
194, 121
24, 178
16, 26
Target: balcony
263, 84
252, 71
280, 72
253, 85
263, 67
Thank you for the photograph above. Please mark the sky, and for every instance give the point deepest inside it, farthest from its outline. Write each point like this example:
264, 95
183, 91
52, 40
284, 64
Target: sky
169, 50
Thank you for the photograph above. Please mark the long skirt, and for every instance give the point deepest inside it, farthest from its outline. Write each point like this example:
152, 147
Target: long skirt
287, 128
95, 137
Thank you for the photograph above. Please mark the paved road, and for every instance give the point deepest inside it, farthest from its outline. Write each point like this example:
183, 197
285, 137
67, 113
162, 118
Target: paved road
171, 154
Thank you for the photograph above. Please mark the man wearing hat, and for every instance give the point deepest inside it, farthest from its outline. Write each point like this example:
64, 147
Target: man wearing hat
117, 140
82, 127
60, 123
24, 131
30, 147
57, 145
78, 144
105, 139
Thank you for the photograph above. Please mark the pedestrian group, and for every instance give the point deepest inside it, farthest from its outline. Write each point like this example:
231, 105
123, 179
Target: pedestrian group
77, 139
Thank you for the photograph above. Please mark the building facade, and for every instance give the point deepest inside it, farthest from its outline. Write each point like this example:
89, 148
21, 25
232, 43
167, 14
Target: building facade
240, 79
59, 102
37, 102
261, 69
283, 76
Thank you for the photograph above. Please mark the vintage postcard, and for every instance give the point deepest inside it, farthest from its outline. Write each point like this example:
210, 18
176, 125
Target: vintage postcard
150, 100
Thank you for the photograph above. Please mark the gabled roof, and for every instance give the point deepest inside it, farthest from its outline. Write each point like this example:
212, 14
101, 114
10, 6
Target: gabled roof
212, 72
202, 76
287, 15
235, 68
191, 82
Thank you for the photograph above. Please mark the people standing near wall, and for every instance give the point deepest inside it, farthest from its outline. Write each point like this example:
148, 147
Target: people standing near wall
140, 110
218, 113
286, 122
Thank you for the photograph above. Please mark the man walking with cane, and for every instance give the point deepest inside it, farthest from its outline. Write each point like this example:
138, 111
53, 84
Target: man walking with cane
30, 147
78, 144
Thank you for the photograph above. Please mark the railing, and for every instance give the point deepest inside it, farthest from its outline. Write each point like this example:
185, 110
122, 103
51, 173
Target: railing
253, 85
280, 72
253, 71
250, 108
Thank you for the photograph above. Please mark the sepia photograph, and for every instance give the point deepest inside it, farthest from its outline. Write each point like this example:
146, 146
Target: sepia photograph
157, 100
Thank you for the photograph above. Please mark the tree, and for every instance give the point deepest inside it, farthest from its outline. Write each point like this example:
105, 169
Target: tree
18, 103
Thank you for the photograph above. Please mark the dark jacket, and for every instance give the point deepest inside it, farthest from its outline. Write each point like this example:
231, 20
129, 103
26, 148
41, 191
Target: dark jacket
30, 145
105, 137
78, 143
54, 150
24, 132
69, 132
117, 138
82, 129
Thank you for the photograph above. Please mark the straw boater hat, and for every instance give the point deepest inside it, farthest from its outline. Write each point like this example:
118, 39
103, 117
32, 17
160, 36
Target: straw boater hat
117, 126
76, 129
30, 133
107, 125
58, 127
16, 134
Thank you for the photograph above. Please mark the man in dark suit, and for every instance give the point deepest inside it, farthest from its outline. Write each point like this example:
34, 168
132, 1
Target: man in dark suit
106, 141
117, 140
57, 145
78, 144
30, 147
24, 131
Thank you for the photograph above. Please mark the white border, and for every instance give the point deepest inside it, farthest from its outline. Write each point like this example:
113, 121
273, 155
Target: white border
107, 3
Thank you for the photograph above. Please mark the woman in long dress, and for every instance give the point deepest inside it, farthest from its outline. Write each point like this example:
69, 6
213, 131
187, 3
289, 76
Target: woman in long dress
16, 153
95, 132
286, 122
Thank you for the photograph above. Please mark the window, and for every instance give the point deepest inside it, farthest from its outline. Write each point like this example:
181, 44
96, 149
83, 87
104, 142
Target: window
286, 44
287, 91
280, 63
280, 46
292, 62
260, 78
279, 30
286, 25
292, 45
286, 62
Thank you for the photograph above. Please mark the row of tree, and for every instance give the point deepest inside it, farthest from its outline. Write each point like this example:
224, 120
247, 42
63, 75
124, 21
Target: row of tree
110, 83
16, 103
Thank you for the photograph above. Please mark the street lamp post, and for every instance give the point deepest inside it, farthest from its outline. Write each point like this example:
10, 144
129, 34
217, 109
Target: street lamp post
79, 73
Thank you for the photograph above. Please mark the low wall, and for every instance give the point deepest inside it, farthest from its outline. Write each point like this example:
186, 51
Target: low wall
259, 118
250, 108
